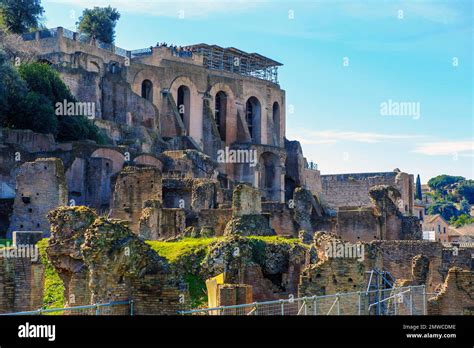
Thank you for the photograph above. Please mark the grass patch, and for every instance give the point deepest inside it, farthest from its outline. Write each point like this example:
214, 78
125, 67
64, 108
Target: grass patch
276, 240
174, 251
53, 294
184, 256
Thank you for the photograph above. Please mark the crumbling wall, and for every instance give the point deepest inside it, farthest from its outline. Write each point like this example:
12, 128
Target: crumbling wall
352, 190
358, 224
68, 227
188, 164
306, 211
21, 284
281, 218
40, 187
112, 263
332, 272
133, 187
246, 213
398, 257
158, 223
456, 296
215, 220
272, 269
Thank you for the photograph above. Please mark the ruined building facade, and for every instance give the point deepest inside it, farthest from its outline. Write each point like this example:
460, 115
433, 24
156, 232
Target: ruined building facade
185, 127
197, 148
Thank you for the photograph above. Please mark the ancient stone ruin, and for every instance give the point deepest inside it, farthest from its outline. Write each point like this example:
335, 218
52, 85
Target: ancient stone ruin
197, 153
101, 260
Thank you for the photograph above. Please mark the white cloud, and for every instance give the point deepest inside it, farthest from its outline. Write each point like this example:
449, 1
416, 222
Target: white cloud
169, 8
464, 148
334, 136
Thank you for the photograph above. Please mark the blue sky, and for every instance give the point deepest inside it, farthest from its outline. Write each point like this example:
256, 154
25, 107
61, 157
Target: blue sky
416, 52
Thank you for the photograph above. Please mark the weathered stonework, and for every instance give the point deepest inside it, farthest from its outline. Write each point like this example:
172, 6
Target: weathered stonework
112, 263
133, 187
456, 296
246, 214
40, 187
21, 284
157, 223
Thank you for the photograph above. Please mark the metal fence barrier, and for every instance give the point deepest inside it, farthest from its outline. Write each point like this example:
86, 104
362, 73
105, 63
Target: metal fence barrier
111, 308
410, 300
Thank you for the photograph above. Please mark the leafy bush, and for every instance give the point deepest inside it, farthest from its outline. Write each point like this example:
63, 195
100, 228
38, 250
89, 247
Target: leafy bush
27, 99
35, 112
43, 79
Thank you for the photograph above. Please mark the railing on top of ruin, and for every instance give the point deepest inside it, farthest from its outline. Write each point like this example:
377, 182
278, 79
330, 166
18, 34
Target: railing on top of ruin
79, 37
175, 51
142, 52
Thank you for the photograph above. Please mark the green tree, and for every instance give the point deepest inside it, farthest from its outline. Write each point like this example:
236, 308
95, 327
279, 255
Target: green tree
12, 89
418, 194
446, 209
99, 22
440, 182
43, 79
35, 112
20, 16
466, 190
461, 220
465, 207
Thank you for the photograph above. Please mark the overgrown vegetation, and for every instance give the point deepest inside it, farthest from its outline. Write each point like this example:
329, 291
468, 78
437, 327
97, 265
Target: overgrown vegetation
28, 96
173, 251
53, 293
184, 256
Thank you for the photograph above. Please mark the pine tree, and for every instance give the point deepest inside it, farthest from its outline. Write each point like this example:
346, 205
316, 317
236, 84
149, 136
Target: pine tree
418, 194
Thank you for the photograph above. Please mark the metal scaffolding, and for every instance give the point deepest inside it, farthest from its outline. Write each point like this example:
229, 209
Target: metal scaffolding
236, 61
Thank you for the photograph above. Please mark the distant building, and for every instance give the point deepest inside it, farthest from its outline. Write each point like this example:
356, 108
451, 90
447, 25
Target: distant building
437, 224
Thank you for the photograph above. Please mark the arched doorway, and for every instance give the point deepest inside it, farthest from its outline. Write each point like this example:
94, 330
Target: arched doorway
270, 176
253, 118
184, 105
147, 90
220, 113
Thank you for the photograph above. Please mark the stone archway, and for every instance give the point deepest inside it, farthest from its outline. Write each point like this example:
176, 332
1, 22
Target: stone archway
190, 103
270, 176
114, 156
228, 116
253, 116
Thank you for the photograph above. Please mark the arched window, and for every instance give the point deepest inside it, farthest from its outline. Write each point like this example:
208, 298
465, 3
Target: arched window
276, 124
253, 118
270, 176
147, 90
184, 105
220, 113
